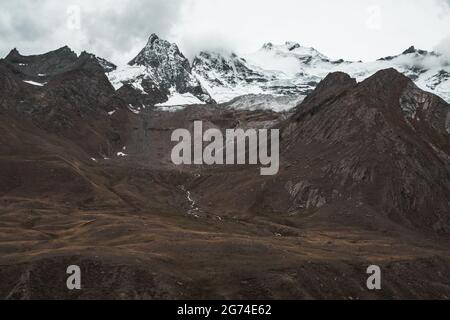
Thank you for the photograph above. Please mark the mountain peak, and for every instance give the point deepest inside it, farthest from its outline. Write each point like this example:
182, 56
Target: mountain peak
156, 51
12, 54
337, 77
163, 67
289, 45
333, 84
292, 45
387, 79
153, 37
411, 49
388, 84
64, 51
267, 46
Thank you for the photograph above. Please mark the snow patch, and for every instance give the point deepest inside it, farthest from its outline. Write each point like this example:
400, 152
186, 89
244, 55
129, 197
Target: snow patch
171, 108
194, 209
134, 109
34, 83
127, 74
254, 102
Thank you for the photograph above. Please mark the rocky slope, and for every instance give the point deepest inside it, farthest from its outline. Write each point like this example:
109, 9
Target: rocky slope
388, 154
64, 94
374, 153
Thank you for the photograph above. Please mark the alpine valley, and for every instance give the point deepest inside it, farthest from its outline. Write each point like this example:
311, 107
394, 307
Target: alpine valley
86, 176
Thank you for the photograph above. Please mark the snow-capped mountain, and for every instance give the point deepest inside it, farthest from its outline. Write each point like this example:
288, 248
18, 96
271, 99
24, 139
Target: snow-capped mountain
291, 69
278, 70
275, 77
160, 66
227, 76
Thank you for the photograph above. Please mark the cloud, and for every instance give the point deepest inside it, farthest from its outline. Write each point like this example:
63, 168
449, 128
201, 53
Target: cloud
444, 5
118, 29
109, 28
126, 27
191, 44
444, 47
17, 22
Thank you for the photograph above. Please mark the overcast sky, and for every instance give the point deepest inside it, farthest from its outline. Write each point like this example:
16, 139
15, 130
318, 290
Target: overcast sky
118, 29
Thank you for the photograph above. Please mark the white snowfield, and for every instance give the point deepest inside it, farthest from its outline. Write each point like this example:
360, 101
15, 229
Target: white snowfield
293, 66
278, 77
180, 99
127, 74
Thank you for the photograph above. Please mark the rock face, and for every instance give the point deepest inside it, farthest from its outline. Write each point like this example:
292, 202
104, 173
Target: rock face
373, 153
382, 143
160, 66
63, 94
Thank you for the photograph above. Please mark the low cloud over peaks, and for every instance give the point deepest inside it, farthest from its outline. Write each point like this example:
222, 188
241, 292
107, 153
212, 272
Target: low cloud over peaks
444, 47
118, 29
109, 28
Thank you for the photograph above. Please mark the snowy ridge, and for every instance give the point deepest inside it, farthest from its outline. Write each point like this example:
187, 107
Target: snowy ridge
275, 77
290, 69
278, 70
